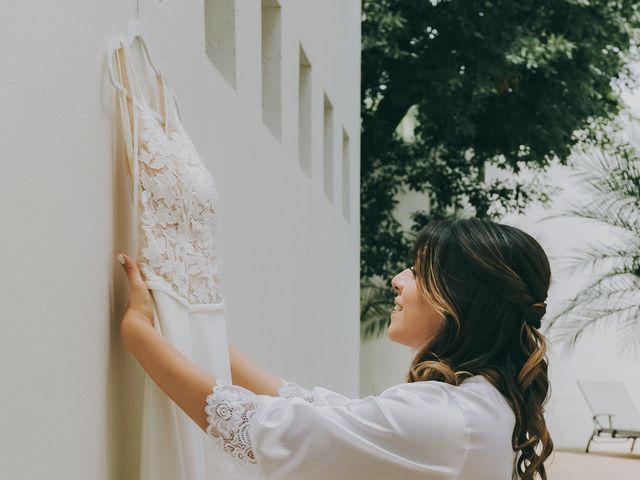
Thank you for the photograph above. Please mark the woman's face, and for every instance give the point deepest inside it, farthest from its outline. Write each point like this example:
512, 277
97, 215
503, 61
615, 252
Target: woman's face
413, 321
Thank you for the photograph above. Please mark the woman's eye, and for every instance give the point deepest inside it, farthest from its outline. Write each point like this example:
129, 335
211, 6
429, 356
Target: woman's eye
413, 270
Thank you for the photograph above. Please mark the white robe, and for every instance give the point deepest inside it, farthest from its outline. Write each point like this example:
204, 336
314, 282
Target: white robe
422, 430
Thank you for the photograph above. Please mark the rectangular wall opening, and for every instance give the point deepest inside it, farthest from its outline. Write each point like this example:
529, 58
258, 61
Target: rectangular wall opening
346, 187
271, 67
220, 37
304, 113
328, 148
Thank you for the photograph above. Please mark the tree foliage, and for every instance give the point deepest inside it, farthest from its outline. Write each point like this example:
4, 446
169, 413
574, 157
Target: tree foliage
502, 82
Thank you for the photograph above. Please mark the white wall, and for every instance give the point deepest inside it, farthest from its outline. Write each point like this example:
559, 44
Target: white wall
383, 363
289, 258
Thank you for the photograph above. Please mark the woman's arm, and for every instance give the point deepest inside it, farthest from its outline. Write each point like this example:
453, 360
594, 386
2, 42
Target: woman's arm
179, 378
251, 376
183, 381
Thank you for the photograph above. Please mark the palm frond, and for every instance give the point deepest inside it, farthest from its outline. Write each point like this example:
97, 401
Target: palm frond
600, 257
606, 209
627, 317
628, 334
376, 303
595, 300
619, 163
612, 181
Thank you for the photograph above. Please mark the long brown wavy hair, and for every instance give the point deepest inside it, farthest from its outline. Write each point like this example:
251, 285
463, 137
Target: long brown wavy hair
489, 281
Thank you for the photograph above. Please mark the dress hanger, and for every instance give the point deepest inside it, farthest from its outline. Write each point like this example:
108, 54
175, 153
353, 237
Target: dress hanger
111, 49
136, 30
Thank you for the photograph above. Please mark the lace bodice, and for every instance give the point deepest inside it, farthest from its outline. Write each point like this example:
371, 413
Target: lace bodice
177, 201
229, 410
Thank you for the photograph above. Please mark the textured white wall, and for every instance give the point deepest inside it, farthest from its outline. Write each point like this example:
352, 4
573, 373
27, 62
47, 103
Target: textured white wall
70, 393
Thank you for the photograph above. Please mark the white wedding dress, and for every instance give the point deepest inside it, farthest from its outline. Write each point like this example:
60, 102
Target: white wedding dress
412, 431
174, 214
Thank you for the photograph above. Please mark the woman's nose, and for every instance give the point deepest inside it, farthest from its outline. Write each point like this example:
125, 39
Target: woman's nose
395, 283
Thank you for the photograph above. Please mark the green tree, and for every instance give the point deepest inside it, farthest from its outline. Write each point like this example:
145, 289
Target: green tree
506, 83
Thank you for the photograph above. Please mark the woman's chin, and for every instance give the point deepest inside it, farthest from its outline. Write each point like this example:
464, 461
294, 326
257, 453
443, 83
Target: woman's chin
391, 328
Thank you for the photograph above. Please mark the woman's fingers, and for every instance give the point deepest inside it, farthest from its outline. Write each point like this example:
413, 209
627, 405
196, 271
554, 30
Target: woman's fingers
132, 270
139, 296
144, 277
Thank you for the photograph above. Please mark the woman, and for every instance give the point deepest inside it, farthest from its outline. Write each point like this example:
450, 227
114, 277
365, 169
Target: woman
473, 400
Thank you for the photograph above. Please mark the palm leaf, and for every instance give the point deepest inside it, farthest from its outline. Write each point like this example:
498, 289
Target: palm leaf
621, 319
612, 179
602, 258
376, 303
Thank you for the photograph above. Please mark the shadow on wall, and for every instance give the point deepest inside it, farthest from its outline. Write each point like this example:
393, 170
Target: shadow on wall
125, 378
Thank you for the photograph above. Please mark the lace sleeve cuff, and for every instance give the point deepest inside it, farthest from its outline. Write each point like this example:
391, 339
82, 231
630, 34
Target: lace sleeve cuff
229, 409
290, 389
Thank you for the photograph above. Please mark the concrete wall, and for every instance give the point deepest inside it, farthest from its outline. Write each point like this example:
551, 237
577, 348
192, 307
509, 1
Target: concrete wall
289, 252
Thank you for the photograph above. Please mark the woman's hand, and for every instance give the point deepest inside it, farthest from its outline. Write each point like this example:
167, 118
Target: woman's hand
139, 310
176, 375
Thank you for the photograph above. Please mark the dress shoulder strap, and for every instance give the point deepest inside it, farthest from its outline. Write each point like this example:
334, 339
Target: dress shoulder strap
128, 97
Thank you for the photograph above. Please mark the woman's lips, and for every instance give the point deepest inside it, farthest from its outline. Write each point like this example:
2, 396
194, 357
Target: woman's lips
397, 307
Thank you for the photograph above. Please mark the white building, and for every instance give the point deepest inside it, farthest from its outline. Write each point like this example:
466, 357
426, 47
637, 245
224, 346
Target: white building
270, 93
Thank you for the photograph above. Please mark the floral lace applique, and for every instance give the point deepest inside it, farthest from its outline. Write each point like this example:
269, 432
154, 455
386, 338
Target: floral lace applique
177, 211
229, 410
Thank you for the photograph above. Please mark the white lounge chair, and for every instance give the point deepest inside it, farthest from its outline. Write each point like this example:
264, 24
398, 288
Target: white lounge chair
611, 399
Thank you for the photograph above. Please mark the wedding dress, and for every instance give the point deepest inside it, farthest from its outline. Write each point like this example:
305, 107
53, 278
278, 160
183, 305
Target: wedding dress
174, 216
422, 430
